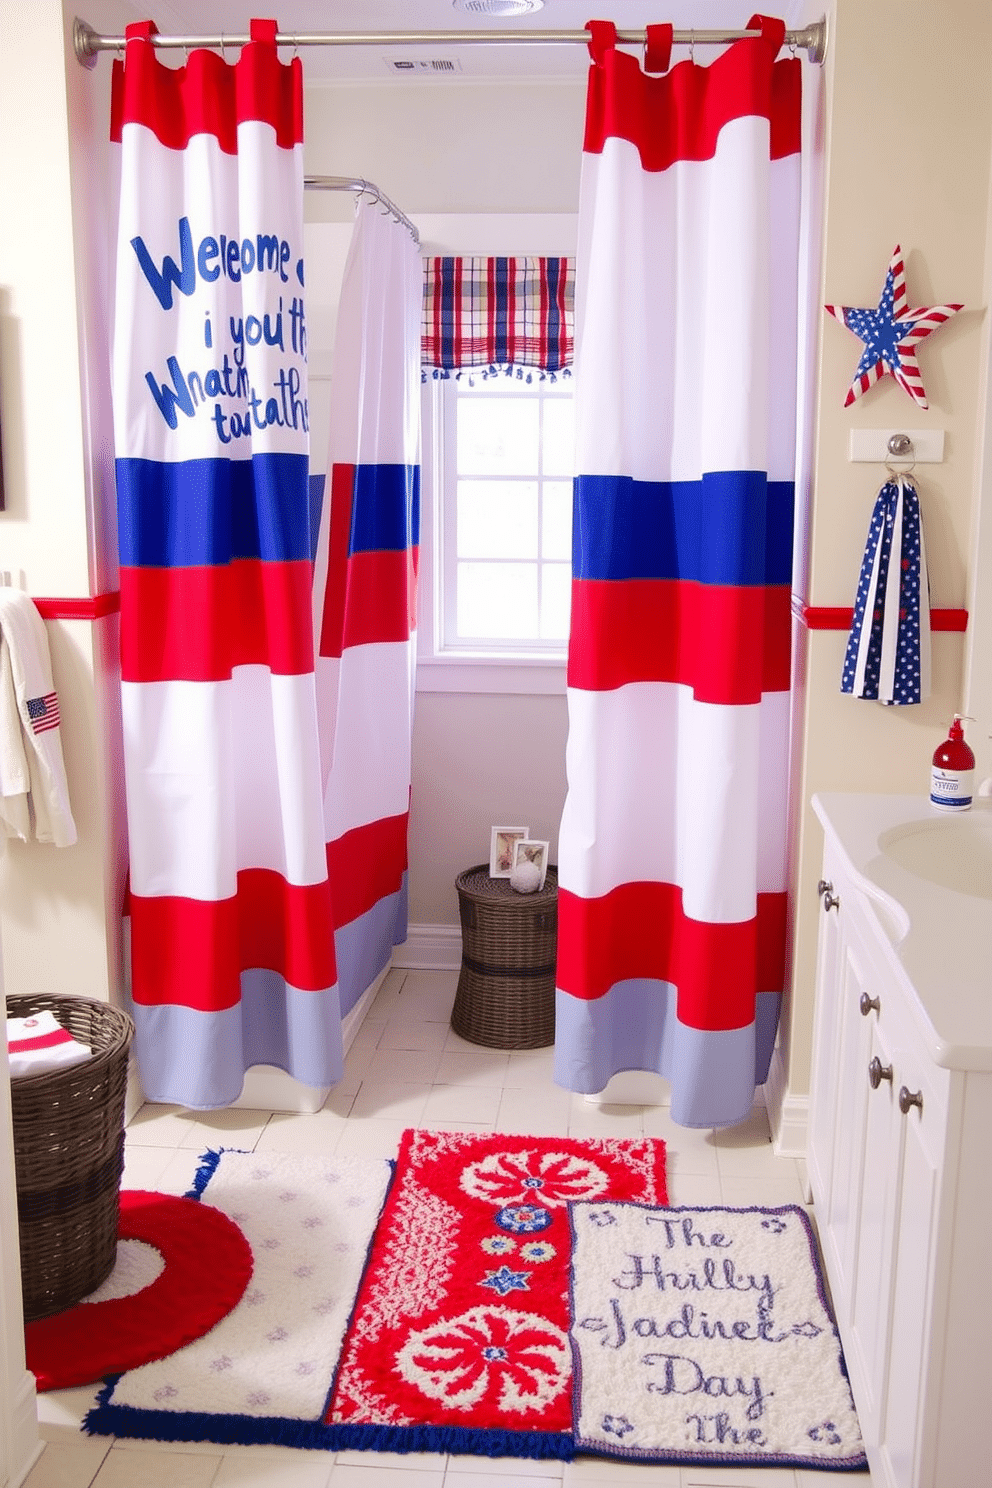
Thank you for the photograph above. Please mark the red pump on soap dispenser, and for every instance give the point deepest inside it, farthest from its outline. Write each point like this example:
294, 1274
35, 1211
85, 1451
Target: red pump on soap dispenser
953, 773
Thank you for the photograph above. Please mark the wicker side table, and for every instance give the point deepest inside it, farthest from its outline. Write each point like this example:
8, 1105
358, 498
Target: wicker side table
506, 987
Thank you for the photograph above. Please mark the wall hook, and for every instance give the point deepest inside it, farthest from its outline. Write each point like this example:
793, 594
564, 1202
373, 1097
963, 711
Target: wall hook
900, 447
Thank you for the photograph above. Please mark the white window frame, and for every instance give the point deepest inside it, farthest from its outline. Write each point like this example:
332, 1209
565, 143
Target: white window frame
493, 667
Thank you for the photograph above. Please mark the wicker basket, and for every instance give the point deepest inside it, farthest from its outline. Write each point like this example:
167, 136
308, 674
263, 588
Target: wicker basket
69, 1155
506, 987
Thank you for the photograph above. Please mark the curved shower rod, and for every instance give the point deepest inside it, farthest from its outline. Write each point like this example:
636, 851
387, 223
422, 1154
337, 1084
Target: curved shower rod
361, 187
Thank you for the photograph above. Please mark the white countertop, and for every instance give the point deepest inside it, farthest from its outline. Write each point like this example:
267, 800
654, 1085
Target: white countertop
940, 936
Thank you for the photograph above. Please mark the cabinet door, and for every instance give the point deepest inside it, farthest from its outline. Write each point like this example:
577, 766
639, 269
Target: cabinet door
853, 1090
821, 1137
870, 1312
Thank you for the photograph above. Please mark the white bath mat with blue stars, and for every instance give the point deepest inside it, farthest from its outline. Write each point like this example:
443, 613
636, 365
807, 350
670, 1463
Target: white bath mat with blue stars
704, 1336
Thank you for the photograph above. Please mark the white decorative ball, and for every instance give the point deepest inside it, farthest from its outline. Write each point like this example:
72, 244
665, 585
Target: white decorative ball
525, 878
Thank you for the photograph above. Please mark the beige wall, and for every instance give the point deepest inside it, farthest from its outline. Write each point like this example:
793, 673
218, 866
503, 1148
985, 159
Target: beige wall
907, 143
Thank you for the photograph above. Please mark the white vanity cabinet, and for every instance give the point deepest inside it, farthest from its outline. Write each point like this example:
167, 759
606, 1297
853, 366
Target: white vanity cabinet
900, 1167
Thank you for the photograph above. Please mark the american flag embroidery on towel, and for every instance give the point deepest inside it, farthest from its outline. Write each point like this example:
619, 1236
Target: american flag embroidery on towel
44, 712
888, 651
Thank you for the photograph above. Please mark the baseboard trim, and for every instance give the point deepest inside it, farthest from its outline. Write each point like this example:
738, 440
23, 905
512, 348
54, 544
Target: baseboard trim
430, 948
788, 1114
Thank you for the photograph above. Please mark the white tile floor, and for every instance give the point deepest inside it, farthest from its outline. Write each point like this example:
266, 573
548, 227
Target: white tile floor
407, 1068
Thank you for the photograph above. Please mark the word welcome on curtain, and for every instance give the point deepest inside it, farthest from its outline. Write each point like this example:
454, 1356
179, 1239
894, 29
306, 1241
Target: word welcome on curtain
498, 314
672, 858
365, 597
232, 952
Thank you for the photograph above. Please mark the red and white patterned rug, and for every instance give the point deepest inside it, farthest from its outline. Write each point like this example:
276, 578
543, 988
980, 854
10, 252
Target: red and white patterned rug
460, 1337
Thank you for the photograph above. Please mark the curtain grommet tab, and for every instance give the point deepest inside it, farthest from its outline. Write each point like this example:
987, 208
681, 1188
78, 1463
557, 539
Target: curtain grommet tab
772, 29
264, 31
603, 39
658, 47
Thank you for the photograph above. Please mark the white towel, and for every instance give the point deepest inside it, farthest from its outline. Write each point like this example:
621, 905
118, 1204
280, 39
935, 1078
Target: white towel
40, 1043
34, 796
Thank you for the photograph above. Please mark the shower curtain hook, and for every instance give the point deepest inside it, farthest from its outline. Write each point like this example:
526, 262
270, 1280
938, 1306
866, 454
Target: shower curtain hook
692, 45
223, 53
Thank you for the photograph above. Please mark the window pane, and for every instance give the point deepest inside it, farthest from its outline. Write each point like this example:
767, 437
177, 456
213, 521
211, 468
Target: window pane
556, 520
497, 436
559, 436
556, 596
497, 600
497, 519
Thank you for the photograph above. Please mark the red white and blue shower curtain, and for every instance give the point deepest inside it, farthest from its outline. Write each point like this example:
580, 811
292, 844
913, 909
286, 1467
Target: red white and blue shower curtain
365, 596
232, 947
672, 854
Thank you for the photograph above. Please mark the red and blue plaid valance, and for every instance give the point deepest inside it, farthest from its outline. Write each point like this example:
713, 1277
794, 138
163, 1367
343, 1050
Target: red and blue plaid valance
498, 313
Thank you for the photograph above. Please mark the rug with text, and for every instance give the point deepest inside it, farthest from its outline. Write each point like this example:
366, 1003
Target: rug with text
460, 1336
703, 1335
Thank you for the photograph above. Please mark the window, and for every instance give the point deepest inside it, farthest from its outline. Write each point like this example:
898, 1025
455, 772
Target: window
498, 458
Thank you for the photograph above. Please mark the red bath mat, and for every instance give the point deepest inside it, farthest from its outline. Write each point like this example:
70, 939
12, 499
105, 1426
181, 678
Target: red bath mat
207, 1264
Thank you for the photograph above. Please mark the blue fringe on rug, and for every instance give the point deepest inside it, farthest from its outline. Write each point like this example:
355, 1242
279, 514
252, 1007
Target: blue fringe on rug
107, 1419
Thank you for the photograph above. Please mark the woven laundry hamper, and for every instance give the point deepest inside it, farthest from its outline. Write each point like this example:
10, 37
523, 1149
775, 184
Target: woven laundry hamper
69, 1155
506, 986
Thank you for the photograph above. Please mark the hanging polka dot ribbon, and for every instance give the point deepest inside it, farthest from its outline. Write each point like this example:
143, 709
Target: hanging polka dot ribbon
888, 651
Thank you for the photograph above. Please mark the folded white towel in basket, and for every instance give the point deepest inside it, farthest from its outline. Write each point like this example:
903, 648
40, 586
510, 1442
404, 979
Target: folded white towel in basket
40, 1043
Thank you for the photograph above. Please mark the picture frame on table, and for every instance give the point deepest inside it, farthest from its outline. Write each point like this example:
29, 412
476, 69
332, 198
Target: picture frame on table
501, 844
526, 851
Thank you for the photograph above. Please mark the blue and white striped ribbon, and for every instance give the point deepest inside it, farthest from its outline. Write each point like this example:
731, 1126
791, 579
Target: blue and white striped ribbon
888, 651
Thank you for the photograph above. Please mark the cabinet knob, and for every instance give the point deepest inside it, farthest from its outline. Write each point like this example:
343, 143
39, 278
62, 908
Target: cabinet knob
825, 889
868, 1005
908, 1099
877, 1072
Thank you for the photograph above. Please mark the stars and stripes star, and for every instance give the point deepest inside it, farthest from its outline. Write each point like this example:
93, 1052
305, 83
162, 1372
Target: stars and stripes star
891, 334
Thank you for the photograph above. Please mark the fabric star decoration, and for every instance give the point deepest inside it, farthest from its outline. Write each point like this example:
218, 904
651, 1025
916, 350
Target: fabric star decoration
891, 335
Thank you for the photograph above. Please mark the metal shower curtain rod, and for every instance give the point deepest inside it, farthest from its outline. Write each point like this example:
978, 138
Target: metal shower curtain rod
88, 43
361, 187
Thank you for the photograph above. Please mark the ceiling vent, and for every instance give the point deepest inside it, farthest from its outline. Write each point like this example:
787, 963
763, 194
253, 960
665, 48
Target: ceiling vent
423, 66
499, 7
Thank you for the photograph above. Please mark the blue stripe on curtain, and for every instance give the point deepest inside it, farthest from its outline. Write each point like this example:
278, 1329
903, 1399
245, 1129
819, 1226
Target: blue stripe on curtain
191, 513
732, 527
386, 509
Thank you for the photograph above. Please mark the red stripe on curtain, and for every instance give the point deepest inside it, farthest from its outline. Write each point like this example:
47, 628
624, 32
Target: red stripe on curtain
366, 864
341, 497
191, 952
729, 643
679, 116
640, 930
381, 601
196, 624
208, 95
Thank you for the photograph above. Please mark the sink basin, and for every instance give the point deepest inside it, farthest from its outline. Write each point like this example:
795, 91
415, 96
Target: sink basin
952, 851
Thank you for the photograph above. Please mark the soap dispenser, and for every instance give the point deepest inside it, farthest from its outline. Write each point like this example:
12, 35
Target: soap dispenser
953, 772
